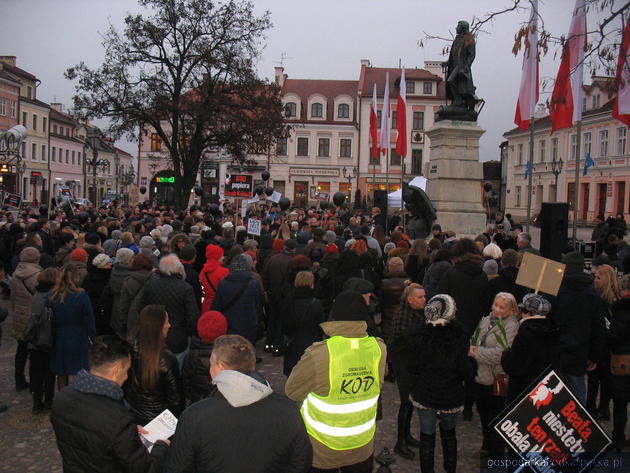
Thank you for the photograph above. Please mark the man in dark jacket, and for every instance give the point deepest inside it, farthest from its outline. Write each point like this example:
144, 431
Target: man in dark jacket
260, 431
576, 311
187, 256
506, 280
168, 288
120, 271
94, 429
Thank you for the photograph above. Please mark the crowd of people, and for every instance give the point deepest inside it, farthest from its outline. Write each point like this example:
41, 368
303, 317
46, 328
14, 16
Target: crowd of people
159, 309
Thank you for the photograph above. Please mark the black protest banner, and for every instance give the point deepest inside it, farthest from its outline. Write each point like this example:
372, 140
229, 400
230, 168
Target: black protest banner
550, 430
239, 185
12, 200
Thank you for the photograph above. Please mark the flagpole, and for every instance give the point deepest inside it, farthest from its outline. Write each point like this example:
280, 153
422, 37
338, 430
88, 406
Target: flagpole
530, 167
576, 198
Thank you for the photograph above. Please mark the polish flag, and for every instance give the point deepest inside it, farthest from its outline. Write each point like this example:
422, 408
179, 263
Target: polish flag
401, 118
373, 126
621, 110
385, 117
565, 107
528, 94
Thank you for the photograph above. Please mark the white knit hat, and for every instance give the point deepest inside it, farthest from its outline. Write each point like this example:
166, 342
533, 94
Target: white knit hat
440, 309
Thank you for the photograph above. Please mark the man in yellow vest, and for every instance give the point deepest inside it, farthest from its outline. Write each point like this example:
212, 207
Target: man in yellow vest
338, 383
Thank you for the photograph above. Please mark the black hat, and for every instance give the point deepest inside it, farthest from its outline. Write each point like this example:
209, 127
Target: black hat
350, 306
574, 262
360, 285
290, 244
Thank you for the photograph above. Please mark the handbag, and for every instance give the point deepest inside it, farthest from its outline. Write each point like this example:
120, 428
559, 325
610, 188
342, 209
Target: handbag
40, 331
620, 365
500, 385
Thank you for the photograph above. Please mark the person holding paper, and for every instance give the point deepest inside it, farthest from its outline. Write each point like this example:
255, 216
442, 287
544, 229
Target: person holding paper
94, 429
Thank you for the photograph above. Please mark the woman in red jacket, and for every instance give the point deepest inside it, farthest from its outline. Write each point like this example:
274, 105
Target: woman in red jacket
211, 274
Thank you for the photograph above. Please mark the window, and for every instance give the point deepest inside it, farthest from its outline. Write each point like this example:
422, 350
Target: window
67, 156
596, 99
416, 162
518, 196
554, 149
323, 148
317, 110
345, 148
24, 118
603, 142
290, 110
394, 119
3, 106
55, 129
573, 147
29, 92
73, 157
587, 143
45, 124
13, 109
543, 145
375, 161
418, 120
379, 115
323, 187
44, 157
410, 87
343, 110
344, 187
302, 146
34, 122
79, 158
584, 104
156, 142
24, 149
520, 154
394, 158
281, 147
622, 131
33, 151
52, 153
427, 88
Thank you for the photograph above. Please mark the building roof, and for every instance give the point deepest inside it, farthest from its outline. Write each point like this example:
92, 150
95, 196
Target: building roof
39, 103
6, 76
376, 75
17, 71
62, 117
328, 88
122, 151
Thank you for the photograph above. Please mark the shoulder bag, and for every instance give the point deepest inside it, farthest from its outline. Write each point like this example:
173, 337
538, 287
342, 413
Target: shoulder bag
40, 331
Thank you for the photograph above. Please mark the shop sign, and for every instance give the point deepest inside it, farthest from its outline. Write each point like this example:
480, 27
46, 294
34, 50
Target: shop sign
165, 179
314, 172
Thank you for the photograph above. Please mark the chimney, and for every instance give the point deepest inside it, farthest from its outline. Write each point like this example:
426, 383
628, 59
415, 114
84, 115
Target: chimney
365, 62
57, 106
280, 75
10, 60
434, 67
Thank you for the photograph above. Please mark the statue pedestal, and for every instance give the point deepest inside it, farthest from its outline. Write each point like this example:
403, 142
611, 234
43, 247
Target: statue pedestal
455, 177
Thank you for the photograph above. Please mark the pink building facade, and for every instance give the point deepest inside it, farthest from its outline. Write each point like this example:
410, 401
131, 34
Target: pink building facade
9, 113
66, 154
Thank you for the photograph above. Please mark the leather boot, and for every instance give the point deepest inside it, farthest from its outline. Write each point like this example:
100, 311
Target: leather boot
427, 449
38, 405
401, 447
449, 450
408, 412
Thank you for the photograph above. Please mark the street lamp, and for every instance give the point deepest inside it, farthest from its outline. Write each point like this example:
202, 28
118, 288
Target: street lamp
93, 138
10, 145
349, 173
556, 169
117, 166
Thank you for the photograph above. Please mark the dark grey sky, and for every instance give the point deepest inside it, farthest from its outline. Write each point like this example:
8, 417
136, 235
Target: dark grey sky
323, 39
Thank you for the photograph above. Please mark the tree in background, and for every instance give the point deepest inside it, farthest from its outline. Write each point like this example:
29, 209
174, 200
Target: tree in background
185, 70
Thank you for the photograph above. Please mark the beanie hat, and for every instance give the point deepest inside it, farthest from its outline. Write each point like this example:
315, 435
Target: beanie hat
403, 244
116, 234
240, 263
252, 254
490, 267
278, 245
331, 249
492, 250
360, 285
330, 236
79, 254
535, 304
388, 247
124, 255
574, 262
101, 260
211, 325
187, 253
213, 252
227, 225
92, 239
350, 306
29, 255
440, 310
290, 244
146, 242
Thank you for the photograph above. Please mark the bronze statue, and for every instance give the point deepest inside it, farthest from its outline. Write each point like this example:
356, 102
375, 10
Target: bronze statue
460, 89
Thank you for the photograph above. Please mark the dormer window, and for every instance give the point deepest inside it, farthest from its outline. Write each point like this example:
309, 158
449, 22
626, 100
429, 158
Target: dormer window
427, 88
596, 99
317, 110
343, 110
411, 87
290, 110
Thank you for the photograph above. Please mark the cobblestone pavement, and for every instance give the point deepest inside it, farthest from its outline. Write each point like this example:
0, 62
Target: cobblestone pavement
27, 442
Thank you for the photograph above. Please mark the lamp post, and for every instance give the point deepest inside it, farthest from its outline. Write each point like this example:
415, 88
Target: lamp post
93, 137
117, 168
349, 173
556, 169
10, 145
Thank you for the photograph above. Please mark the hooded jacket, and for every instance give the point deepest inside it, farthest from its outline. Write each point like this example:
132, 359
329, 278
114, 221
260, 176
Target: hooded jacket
119, 273
211, 274
260, 431
97, 433
23, 284
130, 302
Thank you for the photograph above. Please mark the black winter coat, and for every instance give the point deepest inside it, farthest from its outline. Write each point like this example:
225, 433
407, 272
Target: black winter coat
196, 371
179, 299
440, 362
117, 278
619, 343
304, 314
534, 349
96, 284
467, 284
192, 278
131, 296
275, 276
168, 392
505, 282
576, 312
96, 433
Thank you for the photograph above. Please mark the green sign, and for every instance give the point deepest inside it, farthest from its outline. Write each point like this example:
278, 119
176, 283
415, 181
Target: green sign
169, 180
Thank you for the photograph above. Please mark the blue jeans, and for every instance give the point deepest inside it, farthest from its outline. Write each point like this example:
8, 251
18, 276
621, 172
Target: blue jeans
429, 418
577, 385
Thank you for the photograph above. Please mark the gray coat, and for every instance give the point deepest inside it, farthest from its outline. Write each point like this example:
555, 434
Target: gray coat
118, 319
489, 350
23, 284
131, 296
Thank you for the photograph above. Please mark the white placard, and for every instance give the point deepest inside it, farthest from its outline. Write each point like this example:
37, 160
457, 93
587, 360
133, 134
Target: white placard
253, 227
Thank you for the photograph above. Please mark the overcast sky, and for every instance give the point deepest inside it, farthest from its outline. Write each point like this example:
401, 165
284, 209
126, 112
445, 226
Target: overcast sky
322, 39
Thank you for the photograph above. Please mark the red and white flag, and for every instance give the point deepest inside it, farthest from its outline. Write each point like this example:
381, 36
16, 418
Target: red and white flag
401, 117
528, 94
385, 117
374, 126
621, 108
565, 107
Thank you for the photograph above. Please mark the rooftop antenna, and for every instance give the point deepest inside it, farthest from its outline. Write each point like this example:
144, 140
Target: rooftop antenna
283, 57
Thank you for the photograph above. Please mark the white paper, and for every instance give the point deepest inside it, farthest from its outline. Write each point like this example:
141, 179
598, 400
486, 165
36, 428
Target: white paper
160, 428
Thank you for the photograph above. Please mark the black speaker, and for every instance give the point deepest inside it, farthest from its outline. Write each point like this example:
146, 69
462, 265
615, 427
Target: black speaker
380, 200
554, 226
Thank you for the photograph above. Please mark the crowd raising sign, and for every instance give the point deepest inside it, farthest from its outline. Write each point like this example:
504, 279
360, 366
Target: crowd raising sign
551, 431
253, 227
239, 185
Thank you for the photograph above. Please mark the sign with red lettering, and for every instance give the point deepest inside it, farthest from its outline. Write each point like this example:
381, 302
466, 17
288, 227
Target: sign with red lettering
551, 431
239, 185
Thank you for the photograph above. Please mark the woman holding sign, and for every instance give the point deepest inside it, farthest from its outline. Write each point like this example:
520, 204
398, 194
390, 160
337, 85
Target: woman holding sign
493, 336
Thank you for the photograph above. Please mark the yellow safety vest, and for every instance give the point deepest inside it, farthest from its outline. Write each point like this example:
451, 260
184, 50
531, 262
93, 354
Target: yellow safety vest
346, 418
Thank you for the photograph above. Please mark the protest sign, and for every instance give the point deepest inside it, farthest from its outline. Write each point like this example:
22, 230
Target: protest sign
253, 227
540, 274
12, 200
239, 185
550, 430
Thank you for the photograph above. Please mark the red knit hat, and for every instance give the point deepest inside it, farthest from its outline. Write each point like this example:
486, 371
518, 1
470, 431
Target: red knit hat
252, 254
79, 254
211, 325
213, 252
331, 248
278, 245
